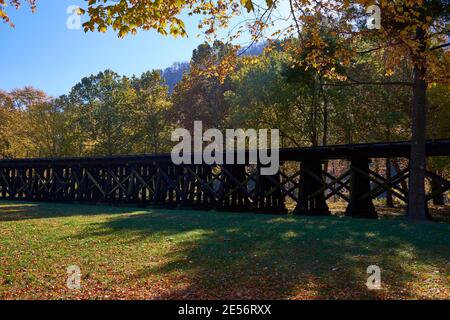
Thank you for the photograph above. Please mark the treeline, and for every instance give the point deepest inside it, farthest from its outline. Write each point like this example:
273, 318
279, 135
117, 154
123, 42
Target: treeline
110, 114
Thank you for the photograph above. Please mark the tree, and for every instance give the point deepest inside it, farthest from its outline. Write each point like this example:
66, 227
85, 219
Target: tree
16, 138
109, 114
268, 93
151, 110
6, 113
199, 96
102, 105
45, 129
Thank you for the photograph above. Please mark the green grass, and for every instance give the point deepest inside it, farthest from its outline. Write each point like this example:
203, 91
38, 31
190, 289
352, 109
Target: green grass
161, 254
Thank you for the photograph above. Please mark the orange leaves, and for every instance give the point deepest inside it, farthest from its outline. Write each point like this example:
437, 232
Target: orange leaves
220, 69
16, 4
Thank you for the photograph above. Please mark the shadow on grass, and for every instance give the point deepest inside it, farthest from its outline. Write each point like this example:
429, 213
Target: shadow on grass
18, 210
229, 256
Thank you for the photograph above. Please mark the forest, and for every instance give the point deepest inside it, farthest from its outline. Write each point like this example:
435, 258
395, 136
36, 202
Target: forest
111, 114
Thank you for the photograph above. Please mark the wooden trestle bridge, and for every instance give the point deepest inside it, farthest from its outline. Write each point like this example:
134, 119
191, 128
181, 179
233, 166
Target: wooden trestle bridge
154, 180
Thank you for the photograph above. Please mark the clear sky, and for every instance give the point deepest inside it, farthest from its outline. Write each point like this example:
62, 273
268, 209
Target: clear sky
42, 52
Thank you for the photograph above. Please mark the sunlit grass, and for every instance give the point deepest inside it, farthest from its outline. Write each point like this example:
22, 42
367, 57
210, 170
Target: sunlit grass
161, 254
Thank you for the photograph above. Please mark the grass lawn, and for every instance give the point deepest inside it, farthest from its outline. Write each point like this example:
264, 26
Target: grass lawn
160, 254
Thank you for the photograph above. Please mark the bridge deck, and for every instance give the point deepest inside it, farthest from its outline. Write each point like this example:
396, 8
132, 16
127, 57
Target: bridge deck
439, 147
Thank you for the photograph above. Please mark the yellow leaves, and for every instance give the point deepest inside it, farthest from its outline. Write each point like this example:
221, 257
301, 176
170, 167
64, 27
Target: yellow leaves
389, 72
128, 17
123, 31
219, 67
253, 61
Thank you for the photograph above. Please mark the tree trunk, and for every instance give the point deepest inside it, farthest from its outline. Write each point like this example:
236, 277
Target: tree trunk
389, 199
417, 207
438, 200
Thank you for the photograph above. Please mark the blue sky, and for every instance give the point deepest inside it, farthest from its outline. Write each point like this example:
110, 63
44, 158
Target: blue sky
42, 52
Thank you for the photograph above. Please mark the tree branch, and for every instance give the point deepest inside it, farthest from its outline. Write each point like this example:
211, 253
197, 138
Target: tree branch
357, 83
295, 19
390, 83
440, 46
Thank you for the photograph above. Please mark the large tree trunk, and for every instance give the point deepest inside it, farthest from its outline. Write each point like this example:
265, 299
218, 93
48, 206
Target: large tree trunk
417, 207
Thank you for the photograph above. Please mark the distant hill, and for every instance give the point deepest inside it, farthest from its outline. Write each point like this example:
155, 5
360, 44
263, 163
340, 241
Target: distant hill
173, 74
254, 50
